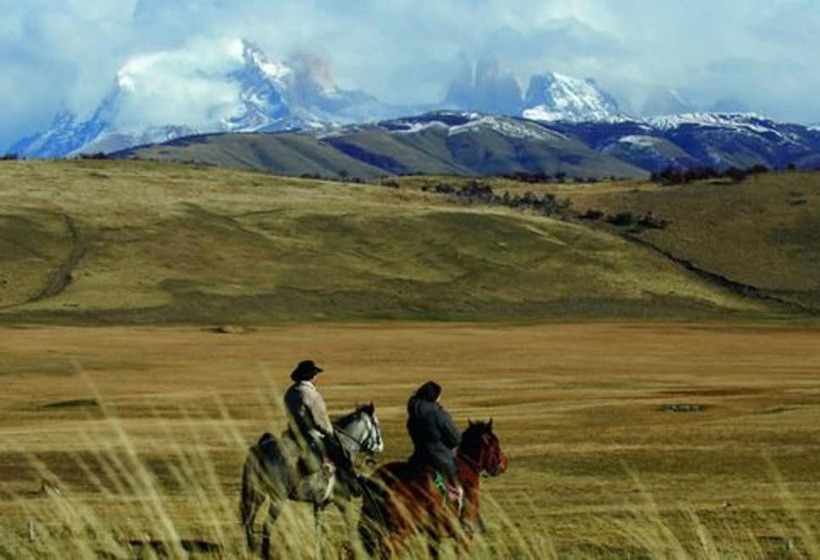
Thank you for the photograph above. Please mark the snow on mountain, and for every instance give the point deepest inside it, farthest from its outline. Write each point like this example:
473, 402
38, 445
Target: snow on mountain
462, 122
232, 86
739, 121
719, 140
554, 96
509, 128
228, 86
489, 88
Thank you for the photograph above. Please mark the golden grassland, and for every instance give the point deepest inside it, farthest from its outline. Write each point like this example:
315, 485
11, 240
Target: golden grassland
656, 390
626, 440
762, 232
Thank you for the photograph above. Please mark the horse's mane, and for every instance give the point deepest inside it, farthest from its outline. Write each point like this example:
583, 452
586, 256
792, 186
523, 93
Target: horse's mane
471, 438
344, 421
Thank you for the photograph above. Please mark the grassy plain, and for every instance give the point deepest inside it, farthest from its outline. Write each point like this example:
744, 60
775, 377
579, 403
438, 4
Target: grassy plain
656, 389
146, 429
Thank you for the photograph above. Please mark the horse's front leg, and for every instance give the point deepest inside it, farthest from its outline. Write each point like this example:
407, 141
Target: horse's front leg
348, 519
317, 525
433, 547
481, 527
469, 519
266, 531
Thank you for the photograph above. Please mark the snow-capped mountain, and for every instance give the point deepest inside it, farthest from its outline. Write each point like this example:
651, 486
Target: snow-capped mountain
719, 140
228, 87
233, 87
472, 143
550, 96
554, 96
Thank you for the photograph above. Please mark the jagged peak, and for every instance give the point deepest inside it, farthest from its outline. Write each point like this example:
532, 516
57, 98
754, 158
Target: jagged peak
557, 96
251, 55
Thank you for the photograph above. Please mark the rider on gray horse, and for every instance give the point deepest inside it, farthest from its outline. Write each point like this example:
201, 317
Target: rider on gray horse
309, 424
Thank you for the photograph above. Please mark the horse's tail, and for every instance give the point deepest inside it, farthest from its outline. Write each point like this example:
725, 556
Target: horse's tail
251, 496
248, 503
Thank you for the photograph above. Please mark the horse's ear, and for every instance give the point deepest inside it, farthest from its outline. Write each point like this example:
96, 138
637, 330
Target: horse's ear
469, 423
490, 424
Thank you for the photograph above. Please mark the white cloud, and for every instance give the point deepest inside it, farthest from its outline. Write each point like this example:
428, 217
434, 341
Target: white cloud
187, 86
67, 52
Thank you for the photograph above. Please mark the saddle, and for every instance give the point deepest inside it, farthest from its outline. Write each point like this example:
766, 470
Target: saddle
300, 476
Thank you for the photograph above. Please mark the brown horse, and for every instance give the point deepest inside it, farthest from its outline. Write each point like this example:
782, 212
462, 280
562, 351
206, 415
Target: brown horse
401, 498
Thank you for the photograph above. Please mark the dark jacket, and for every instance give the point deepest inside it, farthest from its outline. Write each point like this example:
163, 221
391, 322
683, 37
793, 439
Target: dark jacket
435, 436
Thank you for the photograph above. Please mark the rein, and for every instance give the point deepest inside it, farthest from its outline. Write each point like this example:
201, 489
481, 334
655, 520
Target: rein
470, 461
360, 443
478, 464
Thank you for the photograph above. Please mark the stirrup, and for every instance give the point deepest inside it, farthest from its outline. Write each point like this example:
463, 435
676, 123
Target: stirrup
453, 493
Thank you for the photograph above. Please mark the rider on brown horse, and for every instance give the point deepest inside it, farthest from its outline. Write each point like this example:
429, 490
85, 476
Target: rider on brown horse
435, 439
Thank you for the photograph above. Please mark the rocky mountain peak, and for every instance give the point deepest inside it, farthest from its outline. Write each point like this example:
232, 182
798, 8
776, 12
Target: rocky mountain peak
485, 87
553, 96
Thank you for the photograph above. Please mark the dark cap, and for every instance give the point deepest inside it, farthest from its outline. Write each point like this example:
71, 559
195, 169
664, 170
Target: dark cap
305, 370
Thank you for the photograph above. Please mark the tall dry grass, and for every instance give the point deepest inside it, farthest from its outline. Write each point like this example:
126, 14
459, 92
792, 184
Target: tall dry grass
115, 500
147, 432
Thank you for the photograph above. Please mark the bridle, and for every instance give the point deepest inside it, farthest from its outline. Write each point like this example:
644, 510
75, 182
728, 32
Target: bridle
492, 464
371, 442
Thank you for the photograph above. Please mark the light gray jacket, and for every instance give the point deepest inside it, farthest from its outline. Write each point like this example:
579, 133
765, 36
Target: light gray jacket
307, 410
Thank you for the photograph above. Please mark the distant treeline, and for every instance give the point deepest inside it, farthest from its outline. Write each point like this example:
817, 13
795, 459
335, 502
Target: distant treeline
547, 204
680, 176
559, 177
475, 192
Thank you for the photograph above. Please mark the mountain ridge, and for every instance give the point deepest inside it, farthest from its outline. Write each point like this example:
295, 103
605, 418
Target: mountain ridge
469, 143
160, 97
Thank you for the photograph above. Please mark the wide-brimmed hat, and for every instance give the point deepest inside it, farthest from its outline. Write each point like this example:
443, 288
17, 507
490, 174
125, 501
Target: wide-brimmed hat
305, 370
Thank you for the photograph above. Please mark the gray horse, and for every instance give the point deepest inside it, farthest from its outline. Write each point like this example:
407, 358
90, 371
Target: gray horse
272, 471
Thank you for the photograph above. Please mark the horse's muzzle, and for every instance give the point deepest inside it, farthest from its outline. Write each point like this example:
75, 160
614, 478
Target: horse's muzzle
500, 467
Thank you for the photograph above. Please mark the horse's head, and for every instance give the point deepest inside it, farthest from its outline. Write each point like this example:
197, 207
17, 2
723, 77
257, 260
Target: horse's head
360, 431
481, 446
373, 443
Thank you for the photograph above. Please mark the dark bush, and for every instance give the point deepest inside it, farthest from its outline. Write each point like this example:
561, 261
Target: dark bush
650, 221
592, 214
734, 174
621, 219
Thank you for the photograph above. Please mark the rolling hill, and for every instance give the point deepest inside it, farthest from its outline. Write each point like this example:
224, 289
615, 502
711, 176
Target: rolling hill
106, 241
451, 143
474, 144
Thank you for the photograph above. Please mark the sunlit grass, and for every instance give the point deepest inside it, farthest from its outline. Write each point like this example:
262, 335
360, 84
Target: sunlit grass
169, 497
138, 242
145, 432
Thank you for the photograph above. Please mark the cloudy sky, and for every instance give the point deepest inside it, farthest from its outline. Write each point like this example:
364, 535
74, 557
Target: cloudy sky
58, 54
